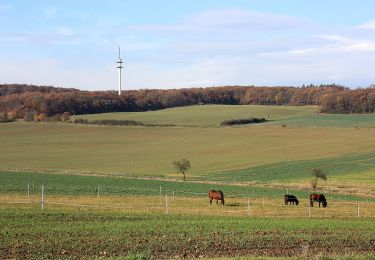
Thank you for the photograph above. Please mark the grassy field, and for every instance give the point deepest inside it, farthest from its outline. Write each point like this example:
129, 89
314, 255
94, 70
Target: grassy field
207, 115
213, 115
150, 151
131, 169
76, 185
33, 233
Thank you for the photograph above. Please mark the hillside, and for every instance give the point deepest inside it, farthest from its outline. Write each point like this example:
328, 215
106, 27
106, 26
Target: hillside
21, 100
207, 115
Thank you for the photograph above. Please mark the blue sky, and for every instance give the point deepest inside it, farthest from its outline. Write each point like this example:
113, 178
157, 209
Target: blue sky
176, 44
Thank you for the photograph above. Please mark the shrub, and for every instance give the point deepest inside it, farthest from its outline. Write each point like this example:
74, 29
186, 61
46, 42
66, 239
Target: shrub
251, 120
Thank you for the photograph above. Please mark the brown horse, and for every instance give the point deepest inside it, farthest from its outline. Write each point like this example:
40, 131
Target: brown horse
290, 199
216, 195
319, 198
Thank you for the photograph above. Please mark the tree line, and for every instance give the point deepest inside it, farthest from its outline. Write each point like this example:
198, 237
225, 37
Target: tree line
21, 100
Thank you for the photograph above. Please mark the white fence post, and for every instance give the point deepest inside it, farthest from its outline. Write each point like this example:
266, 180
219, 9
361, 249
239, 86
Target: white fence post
42, 197
28, 189
248, 207
98, 190
173, 196
160, 191
358, 210
309, 209
166, 203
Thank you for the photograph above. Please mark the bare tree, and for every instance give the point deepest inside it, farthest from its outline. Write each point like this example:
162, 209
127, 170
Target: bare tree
182, 166
317, 174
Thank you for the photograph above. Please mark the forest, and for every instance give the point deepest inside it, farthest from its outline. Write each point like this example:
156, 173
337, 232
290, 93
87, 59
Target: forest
20, 101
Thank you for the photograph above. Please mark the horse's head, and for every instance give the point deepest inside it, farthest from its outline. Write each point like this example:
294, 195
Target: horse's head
324, 204
297, 202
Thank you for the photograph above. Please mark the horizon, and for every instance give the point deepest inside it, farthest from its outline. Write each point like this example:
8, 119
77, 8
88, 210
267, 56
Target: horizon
169, 45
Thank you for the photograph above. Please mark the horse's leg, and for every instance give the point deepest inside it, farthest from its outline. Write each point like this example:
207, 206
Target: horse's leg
217, 201
319, 203
210, 201
311, 203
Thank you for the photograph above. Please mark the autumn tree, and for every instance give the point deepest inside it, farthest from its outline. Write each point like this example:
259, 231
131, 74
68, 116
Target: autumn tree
182, 166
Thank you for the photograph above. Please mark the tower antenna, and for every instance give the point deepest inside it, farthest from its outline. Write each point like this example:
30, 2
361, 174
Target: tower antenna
119, 66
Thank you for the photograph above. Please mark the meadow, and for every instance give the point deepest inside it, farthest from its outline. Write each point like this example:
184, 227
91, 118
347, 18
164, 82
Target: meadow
64, 234
106, 188
150, 150
213, 115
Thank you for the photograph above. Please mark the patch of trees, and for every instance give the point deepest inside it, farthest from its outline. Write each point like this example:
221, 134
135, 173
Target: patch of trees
5, 117
11, 89
251, 120
19, 100
111, 122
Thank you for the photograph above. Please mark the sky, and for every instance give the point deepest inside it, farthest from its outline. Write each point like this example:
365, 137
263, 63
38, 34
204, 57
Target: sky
187, 43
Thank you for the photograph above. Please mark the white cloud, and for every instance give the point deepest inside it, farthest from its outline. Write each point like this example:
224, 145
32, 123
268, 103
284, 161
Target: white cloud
346, 44
370, 25
301, 51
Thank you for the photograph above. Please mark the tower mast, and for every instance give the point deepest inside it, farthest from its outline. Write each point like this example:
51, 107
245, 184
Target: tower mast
119, 66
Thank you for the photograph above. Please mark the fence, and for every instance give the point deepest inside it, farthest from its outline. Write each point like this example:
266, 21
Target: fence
165, 201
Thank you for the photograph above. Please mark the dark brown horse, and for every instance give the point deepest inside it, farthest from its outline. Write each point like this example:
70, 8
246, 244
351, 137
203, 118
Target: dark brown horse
290, 199
319, 198
216, 195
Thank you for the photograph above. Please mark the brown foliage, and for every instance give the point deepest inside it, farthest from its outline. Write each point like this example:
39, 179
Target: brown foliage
21, 99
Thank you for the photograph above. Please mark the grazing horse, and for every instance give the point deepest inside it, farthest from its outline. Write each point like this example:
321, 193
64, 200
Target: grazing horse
319, 198
216, 195
290, 199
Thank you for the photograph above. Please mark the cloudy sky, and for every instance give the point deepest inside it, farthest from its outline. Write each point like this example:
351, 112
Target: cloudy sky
187, 43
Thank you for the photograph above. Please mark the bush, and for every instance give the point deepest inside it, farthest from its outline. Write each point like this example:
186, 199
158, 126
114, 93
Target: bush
5, 117
116, 122
251, 120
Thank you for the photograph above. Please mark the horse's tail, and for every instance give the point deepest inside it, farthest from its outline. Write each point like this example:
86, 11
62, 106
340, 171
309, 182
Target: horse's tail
222, 196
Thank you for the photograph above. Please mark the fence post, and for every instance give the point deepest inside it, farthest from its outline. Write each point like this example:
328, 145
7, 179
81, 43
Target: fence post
248, 207
309, 209
358, 210
42, 197
166, 203
160, 191
173, 196
287, 191
28, 189
98, 190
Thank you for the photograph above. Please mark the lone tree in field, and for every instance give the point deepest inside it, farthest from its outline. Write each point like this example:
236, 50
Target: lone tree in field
317, 174
182, 166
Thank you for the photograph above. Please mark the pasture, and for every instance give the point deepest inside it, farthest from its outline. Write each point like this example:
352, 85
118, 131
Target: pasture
207, 115
79, 232
213, 115
213, 152
134, 218
114, 190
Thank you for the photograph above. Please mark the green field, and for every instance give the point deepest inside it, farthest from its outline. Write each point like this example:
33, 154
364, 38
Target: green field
207, 115
77, 185
131, 167
213, 115
51, 234
150, 150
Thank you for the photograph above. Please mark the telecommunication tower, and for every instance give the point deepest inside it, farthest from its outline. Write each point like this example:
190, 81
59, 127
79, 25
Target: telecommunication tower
119, 66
